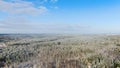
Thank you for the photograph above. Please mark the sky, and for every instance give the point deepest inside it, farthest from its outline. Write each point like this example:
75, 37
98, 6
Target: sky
60, 16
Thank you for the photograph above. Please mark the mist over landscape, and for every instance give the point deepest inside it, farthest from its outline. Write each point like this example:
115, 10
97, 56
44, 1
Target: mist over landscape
59, 34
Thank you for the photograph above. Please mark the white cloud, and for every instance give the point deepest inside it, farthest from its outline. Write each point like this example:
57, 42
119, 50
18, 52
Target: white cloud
21, 7
15, 23
48, 0
22, 25
54, 1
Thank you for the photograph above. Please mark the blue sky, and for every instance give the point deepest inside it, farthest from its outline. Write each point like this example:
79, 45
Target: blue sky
60, 16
